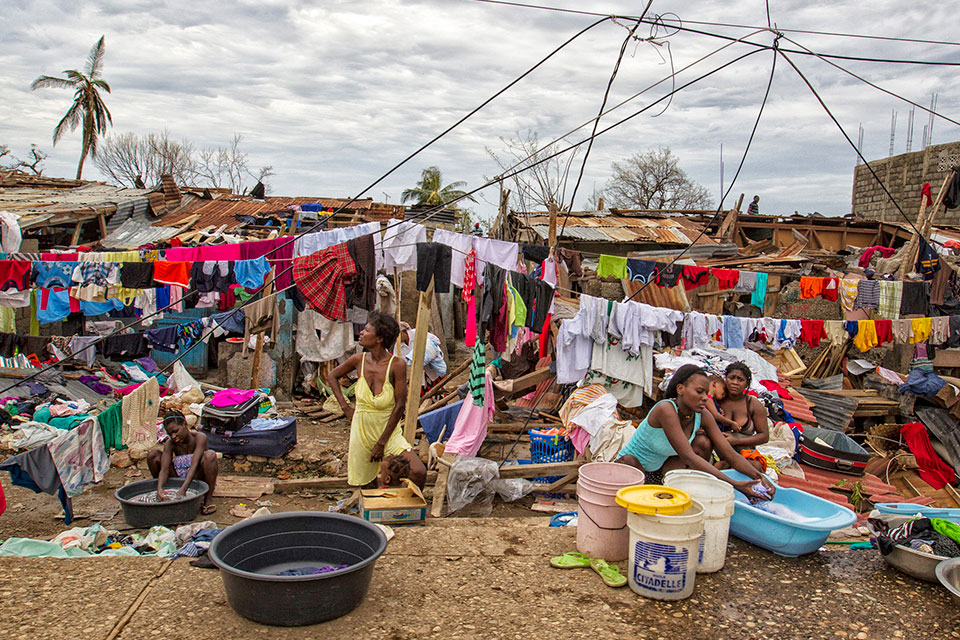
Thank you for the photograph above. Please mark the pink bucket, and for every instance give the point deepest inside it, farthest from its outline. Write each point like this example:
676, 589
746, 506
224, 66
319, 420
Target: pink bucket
602, 523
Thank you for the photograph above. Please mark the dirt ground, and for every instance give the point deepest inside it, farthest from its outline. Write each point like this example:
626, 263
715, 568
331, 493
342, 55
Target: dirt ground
461, 578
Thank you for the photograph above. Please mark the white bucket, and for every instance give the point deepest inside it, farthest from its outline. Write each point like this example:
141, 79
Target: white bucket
663, 553
716, 496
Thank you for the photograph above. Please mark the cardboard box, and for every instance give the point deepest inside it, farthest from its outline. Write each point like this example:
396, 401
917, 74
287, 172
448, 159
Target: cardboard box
394, 505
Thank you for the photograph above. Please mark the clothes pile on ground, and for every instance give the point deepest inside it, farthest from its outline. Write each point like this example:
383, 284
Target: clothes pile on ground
190, 540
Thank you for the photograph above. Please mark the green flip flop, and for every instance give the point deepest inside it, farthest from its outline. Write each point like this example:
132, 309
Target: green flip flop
609, 572
570, 560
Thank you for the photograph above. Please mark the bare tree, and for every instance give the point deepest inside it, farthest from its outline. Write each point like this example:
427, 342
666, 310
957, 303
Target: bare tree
228, 167
654, 180
540, 185
130, 159
10, 162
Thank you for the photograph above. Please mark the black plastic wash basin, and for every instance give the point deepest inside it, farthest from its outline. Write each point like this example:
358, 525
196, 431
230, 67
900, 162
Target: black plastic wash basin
251, 553
149, 514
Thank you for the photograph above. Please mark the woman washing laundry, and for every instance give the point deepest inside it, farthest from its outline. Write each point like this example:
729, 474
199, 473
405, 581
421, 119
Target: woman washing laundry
184, 455
375, 435
743, 414
680, 433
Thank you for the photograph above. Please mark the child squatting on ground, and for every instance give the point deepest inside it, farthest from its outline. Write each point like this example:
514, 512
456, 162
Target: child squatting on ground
184, 455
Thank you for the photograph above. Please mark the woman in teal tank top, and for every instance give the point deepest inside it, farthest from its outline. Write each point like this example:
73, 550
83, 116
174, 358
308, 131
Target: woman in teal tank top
680, 433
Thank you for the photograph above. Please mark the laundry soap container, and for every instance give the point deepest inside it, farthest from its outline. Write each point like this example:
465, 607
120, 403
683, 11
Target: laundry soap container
665, 528
716, 497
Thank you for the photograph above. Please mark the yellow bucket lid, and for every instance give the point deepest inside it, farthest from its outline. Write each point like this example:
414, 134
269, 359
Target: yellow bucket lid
653, 499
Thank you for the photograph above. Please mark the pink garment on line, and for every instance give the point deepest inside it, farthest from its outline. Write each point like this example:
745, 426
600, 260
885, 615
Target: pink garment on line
182, 254
471, 426
470, 337
220, 252
231, 397
580, 438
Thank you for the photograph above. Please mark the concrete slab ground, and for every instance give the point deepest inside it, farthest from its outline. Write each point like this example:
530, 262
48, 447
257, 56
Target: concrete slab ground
490, 578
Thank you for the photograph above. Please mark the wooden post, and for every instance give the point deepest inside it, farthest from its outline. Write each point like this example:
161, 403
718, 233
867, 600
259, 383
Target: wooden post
75, 239
255, 367
924, 221
553, 225
416, 369
103, 225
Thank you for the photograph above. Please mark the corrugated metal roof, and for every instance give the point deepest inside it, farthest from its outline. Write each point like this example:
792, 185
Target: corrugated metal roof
137, 209
224, 211
939, 422
133, 234
832, 411
799, 408
604, 227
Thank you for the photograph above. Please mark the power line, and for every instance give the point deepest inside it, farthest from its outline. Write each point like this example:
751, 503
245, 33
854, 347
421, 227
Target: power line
850, 142
596, 121
743, 159
729, 24
877, 87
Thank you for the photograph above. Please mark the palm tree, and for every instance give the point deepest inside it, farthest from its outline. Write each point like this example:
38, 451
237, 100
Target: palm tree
430, 192
87, 108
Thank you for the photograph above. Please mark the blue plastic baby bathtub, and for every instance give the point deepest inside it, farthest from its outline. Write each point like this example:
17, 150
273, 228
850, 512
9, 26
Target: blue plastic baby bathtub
909, 509
783, 536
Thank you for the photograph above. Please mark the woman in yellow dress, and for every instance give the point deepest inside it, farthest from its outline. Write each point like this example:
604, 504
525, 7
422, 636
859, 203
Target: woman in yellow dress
377, 445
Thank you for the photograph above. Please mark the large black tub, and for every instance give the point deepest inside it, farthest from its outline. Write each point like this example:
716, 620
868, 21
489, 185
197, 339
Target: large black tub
251, 553
149, 514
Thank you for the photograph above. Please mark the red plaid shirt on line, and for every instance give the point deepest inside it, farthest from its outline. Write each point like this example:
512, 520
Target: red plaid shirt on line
321, 278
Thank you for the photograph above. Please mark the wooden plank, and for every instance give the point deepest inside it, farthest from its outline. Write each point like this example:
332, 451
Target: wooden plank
440, 488
329, 483
243, 487
437, 388
562, 482
537, 470
524, 382
439, 403
553, 225
416, 369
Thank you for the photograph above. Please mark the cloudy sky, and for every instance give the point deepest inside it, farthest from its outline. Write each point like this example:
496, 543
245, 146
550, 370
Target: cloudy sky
333, 93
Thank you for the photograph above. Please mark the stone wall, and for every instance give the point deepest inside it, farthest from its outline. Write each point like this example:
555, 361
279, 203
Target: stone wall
904, 176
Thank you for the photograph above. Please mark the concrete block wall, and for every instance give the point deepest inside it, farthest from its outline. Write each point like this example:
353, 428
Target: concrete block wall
904, 176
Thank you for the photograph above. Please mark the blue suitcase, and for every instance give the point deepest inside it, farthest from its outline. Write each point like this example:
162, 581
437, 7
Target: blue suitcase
272, 442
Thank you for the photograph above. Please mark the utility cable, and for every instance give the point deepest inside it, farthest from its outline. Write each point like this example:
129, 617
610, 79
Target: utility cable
727, 24
596, 121
850, 142
876, 86
743, 159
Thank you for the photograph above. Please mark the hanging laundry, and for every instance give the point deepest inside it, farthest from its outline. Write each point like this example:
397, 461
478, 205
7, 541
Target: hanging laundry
139, 412
35, 470
612, 267
165, 339
939, 284
497, 252
470, 428
321, 278
891, 296
694, 276
811, 332
668, 275
433, 261
921, 330
362, 293
80, 456
251, 273
125, 346
884, 330
868, 294
478, 364
866, 337
834, 331
53, 306
746, 282
53, 274
262, 317
461, 245
531, 252
400, 245
574, 349
172, 273
928, 261
137, 275
915, 299
939, 330
849, 289
760, 291
212, 276
902, 331
726, 278
831, 289
641, 270
811, 287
